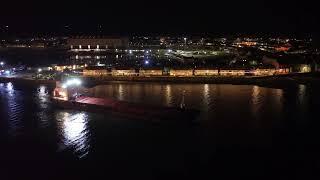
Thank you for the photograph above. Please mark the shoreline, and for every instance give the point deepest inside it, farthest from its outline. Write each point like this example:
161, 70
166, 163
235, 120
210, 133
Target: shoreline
279, 81
25, 81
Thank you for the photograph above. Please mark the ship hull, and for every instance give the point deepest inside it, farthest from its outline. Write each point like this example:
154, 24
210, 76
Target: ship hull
129, 110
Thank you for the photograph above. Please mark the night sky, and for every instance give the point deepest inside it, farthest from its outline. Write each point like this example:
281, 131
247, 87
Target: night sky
161, 17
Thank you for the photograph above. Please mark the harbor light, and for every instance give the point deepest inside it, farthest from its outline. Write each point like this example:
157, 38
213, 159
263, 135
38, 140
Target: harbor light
71, 82
146, 62
1, 63
39, 70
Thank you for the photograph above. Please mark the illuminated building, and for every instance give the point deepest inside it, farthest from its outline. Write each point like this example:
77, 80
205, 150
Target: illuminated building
68, 67
124, 72
95, 71
206, 72
96, 44
151, 72
265, 72
181, 72
102, 71
234, 72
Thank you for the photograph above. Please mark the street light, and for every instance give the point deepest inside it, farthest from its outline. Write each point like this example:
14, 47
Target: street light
1, 63
39, 70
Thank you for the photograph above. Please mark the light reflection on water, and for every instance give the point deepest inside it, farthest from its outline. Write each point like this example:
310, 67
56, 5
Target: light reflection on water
43, 101
75, 131
121, 92
302, 102
15, 109
206, 96
10, 88
302, 93
168, 95
211, 99
225, 105
256, 101
278, 100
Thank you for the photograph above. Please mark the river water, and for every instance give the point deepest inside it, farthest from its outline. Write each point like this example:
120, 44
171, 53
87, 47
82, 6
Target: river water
242, 130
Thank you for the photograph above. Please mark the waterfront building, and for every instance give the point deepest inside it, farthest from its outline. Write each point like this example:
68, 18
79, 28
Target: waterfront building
181, 72
147, 72
93, 50
151, 72
62, 67
265, 72
283, 71
124, 72
97, 44
96, 71
206, 72
235, 72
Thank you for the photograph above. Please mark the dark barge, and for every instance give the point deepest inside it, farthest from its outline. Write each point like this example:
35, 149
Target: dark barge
131, 110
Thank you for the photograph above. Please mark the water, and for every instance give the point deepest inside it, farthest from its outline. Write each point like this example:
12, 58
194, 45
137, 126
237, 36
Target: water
241, 131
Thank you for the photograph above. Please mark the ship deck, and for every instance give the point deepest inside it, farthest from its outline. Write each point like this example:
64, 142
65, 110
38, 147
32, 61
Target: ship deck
140, 111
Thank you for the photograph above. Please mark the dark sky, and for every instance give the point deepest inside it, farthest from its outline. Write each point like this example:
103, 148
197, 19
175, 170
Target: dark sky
161, 17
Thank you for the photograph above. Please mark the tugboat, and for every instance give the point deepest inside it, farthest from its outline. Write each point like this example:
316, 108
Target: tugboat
66, 96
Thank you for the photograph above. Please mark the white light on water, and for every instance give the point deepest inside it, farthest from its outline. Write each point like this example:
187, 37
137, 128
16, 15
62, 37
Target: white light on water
75, 132
10, 86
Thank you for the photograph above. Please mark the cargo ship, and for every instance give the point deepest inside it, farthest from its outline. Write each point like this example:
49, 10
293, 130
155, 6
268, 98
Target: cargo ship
68, 97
